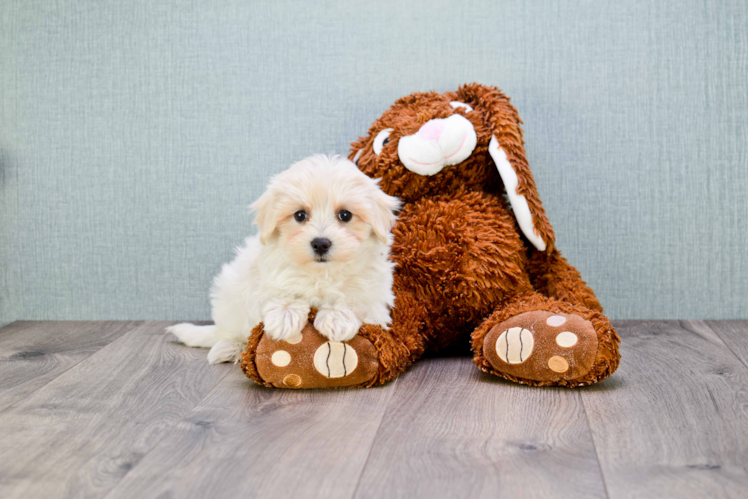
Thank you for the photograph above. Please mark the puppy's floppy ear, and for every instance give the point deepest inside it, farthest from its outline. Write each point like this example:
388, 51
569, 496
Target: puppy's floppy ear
508, 153
383, 216
265, 213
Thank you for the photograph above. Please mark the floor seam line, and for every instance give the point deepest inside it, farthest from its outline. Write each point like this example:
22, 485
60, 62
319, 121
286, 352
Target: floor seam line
740, 360
594, 445
373, 441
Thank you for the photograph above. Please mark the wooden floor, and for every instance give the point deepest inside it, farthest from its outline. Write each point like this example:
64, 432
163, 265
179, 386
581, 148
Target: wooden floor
118, 409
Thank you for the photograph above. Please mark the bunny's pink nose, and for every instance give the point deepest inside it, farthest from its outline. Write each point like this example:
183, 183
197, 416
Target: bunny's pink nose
431, 130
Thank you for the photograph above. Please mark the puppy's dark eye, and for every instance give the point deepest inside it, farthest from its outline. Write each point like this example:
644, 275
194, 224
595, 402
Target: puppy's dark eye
344, 216
386, 141
300, 216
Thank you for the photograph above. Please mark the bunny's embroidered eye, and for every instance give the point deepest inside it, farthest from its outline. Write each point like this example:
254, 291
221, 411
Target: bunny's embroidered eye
300, 216
358, 155
381, 139
458, 104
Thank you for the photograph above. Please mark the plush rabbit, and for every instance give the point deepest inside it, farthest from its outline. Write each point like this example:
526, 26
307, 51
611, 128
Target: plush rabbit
475, 253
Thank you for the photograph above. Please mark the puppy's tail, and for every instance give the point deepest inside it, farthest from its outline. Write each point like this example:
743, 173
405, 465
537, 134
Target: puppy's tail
195, 336
222, 350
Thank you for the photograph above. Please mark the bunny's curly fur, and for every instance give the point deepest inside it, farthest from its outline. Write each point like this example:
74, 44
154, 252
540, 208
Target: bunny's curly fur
463, 264
476, 260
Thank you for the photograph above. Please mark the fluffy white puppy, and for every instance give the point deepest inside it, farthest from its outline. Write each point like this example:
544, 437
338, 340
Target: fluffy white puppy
324, 241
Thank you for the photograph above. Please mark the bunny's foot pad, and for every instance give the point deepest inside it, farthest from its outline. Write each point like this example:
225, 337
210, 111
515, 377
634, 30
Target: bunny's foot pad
311, 361
542, 346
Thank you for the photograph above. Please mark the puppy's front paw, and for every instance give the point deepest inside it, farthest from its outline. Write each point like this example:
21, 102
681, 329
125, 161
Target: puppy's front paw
337, 325
284, 321
378, 315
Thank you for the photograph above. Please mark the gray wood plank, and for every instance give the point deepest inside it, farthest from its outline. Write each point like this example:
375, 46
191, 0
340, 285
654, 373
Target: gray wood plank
34, 352
78, 435
735, 335
244, 440
673, 421
452, 431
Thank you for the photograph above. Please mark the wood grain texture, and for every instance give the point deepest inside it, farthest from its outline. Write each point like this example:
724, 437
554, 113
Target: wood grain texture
34, 352
144, 416
735, 336
244, 440
451, 431
673, 421
81, 433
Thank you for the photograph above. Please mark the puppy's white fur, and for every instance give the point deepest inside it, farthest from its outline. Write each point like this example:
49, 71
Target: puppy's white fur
276, 276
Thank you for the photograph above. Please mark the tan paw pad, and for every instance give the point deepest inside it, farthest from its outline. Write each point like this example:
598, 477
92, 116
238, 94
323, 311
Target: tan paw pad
311, 361
280, 358
295, 339
514, 346
558, 364
566, 339
555, 320
542, 346
335, 359
292, 380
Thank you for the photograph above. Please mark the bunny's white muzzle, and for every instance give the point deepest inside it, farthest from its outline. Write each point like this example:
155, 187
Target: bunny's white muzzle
438, 143
449, 141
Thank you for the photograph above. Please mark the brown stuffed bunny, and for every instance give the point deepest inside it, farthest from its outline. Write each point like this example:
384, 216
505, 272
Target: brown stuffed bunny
475, 256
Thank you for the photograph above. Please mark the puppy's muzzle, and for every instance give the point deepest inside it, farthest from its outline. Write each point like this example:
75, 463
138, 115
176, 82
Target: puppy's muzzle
321, 246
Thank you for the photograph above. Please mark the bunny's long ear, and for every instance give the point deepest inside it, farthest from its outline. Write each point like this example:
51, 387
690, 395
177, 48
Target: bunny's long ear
508, 153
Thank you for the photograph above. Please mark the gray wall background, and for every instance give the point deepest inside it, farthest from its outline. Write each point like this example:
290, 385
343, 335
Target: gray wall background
134, 134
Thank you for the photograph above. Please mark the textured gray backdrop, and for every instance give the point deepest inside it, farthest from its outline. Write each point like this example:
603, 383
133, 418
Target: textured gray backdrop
133, 135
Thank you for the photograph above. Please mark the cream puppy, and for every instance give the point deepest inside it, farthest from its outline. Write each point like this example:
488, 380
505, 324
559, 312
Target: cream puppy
324, 240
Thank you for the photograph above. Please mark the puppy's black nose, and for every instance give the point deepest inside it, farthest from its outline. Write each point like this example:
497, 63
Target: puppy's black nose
321, 245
